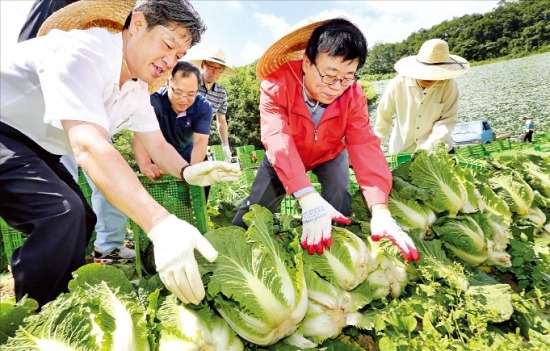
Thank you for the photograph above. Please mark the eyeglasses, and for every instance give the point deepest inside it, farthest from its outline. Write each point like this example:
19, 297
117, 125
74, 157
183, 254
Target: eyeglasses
331, 80
182, 96
218, 69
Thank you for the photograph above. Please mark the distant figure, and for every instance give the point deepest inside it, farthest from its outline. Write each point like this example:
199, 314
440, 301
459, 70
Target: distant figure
529, 129
423, 98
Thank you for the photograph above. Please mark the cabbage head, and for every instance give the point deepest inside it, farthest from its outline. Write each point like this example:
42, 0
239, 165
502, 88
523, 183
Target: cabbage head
256, 284
438, 173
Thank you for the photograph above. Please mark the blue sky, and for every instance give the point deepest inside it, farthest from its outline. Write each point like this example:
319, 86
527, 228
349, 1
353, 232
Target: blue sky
244, 29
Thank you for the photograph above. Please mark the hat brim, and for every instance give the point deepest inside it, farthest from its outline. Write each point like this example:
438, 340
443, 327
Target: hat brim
85, 14
410, 67
230, 71
288, 48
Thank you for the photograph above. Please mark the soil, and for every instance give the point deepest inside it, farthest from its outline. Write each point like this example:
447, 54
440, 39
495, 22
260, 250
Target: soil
6, 286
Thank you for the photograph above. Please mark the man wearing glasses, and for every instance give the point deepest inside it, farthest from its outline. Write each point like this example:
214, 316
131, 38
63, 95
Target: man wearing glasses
313, 113
184, 117
213, 66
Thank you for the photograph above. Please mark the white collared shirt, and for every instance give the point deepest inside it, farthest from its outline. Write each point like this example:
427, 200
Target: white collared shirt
71, 76
422, 117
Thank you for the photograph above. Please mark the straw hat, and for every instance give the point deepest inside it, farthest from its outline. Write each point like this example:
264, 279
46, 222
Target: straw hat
288, 48
215, 55
433, 62
86, 14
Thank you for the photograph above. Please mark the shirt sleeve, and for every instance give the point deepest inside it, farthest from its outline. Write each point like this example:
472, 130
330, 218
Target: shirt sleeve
385, 112
442, 128
277, 139
72, 85
223, 107
204, 117
371, 169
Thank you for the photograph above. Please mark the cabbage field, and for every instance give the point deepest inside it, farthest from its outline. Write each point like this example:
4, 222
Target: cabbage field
504, 91
480, 219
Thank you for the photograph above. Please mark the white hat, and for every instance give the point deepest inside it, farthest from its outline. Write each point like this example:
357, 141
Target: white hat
215, 55
433, 62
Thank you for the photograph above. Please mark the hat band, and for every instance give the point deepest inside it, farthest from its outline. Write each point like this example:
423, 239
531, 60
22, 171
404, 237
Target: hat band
454, 62
216, 59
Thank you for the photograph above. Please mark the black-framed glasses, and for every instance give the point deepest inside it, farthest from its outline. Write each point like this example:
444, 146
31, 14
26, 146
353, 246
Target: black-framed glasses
218, 69
331, 80
182, 96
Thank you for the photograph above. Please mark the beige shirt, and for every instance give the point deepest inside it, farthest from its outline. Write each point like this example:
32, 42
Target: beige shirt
422, 117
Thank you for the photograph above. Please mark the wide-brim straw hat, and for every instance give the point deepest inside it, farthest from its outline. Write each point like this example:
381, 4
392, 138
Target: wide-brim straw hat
288, 48
433, 62
215, 55
85, 14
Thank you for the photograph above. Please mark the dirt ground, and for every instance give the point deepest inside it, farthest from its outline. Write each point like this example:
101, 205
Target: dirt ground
6, 286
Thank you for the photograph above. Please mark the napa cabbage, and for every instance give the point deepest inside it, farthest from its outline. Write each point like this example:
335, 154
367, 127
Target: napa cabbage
437, 172
513, 190
348, 261
463, 237
256, 284
410, 214
93, 316
184, 328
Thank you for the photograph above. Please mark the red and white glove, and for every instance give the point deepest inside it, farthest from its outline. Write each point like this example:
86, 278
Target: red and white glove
317, 217
383, 225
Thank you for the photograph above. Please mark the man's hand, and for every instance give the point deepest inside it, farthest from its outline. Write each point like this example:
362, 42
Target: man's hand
174, 242
227, 152
317, 217
210, 172
152, 172
383, 225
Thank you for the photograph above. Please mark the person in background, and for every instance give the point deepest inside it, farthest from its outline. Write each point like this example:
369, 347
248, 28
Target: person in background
313, 113
529, 128
423, 98
213, 65
184, 117
110, 228
67, 92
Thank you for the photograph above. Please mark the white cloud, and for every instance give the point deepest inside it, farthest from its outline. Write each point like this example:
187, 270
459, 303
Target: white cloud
278, 26
234, 4
251, 52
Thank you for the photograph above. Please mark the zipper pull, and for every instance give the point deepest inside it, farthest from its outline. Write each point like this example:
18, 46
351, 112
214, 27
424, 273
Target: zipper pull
315, 134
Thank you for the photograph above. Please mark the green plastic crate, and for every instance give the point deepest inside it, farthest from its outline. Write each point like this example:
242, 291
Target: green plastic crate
395, 160
289, 206
244, 150
12, 239
497, 146
217, 150
471, 151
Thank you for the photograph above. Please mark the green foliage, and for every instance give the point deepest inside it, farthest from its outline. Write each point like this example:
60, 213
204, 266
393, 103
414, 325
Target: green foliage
243, 113
123, 143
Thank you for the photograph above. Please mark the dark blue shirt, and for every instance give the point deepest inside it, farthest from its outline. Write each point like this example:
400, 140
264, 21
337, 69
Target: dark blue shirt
178, 131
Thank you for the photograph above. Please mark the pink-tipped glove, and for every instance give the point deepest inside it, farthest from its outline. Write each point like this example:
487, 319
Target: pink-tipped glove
174, 242
383, 225
317, 217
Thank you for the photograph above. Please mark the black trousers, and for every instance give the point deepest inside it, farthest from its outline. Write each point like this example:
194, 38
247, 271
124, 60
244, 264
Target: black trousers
40, 198
268, 191
528, 136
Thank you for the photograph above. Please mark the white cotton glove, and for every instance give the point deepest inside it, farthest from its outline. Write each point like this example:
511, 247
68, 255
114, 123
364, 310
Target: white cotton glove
174, 242
210, 172
383, 225
317, 217
227, 152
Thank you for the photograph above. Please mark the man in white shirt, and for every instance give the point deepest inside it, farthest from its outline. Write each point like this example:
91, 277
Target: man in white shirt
68, 92
423, 98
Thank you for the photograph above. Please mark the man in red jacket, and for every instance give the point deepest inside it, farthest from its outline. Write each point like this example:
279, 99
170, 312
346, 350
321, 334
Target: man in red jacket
313, 113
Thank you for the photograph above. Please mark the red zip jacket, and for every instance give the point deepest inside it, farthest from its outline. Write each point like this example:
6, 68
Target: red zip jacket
294, 145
